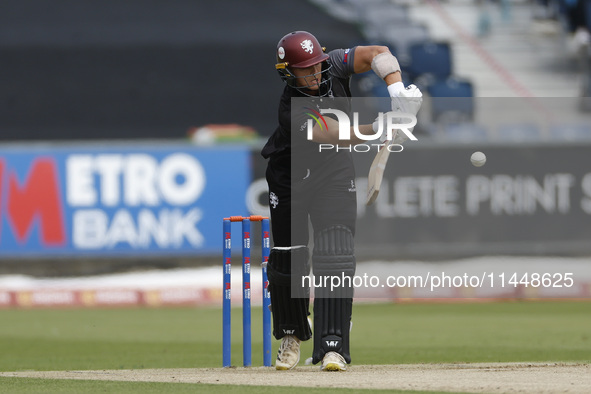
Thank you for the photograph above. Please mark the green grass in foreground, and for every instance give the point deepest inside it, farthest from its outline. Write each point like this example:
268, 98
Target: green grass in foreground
44, 386
382, 334
492, 332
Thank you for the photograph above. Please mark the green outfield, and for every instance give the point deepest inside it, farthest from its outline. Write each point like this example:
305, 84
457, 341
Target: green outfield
187, 337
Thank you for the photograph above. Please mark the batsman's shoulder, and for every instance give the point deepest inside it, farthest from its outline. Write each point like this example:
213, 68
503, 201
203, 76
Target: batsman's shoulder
343, 61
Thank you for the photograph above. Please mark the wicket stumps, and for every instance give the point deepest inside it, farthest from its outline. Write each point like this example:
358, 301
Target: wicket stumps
246, 291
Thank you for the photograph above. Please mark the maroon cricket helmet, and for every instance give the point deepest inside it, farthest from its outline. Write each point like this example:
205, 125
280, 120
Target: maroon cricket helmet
300, 49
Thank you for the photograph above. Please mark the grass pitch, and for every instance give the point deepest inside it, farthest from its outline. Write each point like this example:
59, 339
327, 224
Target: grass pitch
186, 337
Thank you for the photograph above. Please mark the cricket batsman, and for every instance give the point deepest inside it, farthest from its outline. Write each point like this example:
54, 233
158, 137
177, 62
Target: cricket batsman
317, 187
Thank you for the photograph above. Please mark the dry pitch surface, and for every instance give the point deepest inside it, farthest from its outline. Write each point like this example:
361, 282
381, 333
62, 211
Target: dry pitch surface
488, 378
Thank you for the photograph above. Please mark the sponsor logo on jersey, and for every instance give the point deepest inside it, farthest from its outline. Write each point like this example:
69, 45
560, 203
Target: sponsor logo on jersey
353, 188
273, 199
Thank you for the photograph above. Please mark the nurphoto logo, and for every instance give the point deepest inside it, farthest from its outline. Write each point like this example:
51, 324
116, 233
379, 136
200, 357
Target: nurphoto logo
394, 122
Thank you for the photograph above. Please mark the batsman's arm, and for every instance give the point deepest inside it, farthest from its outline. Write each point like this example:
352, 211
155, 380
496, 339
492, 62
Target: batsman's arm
379, 59
384, 64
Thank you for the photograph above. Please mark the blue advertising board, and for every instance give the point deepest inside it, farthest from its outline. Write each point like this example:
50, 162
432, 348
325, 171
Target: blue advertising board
119, 200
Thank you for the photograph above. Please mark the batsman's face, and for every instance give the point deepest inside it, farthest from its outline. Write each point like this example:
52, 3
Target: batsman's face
309, 77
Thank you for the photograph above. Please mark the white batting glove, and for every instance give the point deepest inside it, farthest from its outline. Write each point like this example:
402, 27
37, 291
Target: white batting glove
382, 122
398, 136
407, 99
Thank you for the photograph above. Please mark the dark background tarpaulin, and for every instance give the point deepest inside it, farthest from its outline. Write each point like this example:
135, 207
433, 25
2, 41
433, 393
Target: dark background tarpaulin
84, 69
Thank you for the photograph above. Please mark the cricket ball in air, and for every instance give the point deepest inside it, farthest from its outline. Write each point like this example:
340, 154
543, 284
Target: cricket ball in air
478, 159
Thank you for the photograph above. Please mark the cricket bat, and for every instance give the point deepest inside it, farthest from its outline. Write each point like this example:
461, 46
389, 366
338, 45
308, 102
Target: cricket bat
376, 173
409, 99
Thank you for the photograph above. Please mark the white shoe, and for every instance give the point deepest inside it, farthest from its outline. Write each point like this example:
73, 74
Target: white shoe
288, 355
333, 361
